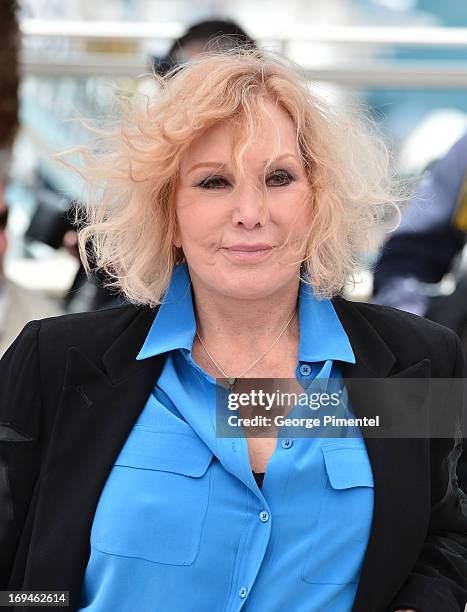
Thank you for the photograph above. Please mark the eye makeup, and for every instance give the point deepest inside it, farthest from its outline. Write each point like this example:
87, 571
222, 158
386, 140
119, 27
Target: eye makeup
214, 181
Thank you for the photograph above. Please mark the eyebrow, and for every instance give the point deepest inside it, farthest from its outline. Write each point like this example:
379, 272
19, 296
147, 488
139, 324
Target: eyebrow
213, 164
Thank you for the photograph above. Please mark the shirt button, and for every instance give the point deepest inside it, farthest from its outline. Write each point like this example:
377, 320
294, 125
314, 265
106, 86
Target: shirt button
242, 592
287, 443
264, 516
305, 369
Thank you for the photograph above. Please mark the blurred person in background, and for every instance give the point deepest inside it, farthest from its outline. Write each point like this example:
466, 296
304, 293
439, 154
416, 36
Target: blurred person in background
17, 305
227, 34
424, 246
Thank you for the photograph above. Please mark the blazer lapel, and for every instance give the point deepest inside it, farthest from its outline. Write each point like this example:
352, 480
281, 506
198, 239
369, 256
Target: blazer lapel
400, 470
97, 411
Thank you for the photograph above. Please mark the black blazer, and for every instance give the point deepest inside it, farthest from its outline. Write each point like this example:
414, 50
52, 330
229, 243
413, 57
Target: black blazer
71, 390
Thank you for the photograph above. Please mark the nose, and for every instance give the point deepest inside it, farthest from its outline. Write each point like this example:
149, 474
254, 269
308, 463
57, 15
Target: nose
250, 208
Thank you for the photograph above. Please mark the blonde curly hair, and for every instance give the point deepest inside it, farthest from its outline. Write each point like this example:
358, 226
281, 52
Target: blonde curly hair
128, 220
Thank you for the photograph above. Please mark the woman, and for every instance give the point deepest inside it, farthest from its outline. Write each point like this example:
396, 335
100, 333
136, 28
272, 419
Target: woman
233, 210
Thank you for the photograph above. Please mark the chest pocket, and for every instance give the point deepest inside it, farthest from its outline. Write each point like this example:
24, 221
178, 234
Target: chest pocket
343, 526
155, 500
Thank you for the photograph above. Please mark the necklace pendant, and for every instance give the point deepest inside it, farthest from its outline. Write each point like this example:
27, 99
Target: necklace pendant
232, 381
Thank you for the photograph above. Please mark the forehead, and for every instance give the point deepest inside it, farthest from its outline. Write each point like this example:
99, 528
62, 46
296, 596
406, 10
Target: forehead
275, 134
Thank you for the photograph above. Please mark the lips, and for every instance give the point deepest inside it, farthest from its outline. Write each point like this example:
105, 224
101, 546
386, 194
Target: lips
249, 248
247, 253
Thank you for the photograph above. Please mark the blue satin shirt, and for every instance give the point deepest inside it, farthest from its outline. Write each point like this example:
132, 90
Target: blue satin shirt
181, 525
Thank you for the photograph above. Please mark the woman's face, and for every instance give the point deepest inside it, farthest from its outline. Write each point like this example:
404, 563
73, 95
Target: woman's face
230, 237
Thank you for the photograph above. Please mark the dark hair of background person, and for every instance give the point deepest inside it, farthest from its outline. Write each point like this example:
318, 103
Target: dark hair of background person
221, 33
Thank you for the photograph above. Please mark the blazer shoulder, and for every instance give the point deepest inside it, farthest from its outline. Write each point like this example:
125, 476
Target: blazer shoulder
405, 332
87, 317
88, 329
403, 321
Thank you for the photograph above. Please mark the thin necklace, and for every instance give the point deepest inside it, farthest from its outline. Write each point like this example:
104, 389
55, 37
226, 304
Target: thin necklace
233, 379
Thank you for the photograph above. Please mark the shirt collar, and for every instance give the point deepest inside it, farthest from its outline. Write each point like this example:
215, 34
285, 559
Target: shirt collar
174, 326
322, 336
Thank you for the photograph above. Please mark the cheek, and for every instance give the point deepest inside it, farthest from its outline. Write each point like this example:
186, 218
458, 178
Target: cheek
198, 223
294, 213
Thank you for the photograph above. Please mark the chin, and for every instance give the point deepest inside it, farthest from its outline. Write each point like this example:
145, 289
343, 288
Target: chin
251, 284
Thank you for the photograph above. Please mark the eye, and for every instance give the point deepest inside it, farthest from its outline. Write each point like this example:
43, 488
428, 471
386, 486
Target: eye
280, 178
213, 182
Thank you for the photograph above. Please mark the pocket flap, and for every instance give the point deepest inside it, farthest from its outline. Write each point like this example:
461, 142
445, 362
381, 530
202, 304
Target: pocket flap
347, 466
167, 452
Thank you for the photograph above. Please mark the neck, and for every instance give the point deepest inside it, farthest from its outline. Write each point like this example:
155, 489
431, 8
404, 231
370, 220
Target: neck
229, 321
